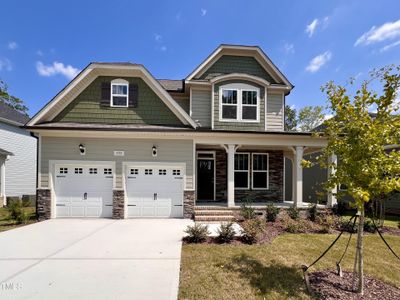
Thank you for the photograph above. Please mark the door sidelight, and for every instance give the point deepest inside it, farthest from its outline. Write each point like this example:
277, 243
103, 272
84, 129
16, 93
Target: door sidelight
84, 196
155, 196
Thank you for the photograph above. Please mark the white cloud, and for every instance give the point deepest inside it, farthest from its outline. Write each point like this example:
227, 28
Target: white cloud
310, 29
203, 12
390, 46
12, 45
157, 37
56, 68
39, 52
163, 48
5, 64
384, 32
289, 48
317, 62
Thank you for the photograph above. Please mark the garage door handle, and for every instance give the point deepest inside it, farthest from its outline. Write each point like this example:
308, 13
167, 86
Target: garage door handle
109, 205
60, 204
155, 196
84, 196
61, 176
131, 205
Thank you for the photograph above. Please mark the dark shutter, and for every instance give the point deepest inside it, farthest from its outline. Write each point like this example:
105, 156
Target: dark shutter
105, 93
133, 95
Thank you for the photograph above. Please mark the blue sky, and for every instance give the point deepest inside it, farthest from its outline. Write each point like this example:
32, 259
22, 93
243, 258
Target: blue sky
44, 43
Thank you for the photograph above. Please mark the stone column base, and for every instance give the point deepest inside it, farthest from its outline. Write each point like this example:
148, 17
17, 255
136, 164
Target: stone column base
188, 204
118, 204
43, 204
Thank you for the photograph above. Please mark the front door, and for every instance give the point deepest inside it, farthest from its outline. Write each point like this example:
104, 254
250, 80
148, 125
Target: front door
205, 179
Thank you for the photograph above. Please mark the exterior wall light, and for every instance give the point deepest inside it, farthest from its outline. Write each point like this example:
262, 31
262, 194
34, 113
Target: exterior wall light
154, 151
82, 149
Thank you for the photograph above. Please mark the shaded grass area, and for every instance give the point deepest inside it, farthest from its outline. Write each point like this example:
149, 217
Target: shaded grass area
390, 220
6, 223
272, 271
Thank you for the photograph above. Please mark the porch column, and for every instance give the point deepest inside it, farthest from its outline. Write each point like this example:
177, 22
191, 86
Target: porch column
230, 149
332, 200
3, 182
298, 176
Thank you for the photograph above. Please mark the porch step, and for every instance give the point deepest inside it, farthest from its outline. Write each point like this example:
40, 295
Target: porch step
216, 218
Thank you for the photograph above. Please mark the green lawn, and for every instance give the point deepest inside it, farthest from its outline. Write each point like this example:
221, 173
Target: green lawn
272, 271
6, 223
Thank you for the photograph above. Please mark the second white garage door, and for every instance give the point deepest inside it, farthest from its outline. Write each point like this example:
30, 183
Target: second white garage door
154, 191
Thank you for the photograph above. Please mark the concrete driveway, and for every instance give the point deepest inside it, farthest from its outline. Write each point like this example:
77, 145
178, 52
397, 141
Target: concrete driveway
92, 259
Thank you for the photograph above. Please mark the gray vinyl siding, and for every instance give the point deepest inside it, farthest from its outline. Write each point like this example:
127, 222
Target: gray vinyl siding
184, 103
275, 112
201, 107
21, 167
245, 126
136, 150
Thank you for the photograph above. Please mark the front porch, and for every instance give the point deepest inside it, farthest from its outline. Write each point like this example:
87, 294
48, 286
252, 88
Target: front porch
228, 175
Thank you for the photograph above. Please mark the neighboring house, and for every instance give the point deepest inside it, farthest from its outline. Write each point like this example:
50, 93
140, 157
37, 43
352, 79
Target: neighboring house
116, 142
17, 155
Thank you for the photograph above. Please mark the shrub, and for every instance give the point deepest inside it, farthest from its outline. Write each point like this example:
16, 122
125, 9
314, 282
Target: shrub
252, 230
398, 225
197, 233
247, 212
346, 226
339, 208
369, 226
328, 223
298, 226
293, 213
17, 213
312, 212
226, 233
271, 212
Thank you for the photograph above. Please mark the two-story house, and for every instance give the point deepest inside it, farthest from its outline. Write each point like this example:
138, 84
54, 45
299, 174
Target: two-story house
116, 142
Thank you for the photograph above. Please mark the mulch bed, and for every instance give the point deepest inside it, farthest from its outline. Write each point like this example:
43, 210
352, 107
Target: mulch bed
327, 285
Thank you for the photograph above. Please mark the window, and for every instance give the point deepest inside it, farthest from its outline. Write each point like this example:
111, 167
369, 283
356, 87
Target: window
249, 105
260, 171
162, 172
148, 172
239, 102
134, 171
78, 170
176, 172
242, 170
107, 171
92, 170
229, 104
119, 93
63, 170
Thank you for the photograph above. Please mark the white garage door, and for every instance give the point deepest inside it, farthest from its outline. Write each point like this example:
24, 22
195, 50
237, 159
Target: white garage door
83, 191
154, 191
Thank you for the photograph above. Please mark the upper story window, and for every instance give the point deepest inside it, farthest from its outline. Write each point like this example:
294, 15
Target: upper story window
119, 93
239, 102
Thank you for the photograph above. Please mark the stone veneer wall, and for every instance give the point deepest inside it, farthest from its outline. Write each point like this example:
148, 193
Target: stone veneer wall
188, 204
43, 204
118, 204
221, 175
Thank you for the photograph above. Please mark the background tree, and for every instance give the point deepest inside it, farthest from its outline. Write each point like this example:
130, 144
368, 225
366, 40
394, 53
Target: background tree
10, 100
310, 117
359, 139
290, 118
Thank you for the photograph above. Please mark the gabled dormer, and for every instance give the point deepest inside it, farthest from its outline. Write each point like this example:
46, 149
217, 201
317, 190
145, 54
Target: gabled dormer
238, 88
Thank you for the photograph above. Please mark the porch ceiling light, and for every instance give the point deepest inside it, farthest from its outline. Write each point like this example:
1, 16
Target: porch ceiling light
82, 149
154, 151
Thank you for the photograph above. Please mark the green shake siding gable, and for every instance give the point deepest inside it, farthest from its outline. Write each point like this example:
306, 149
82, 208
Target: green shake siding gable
86, 108
228, 64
